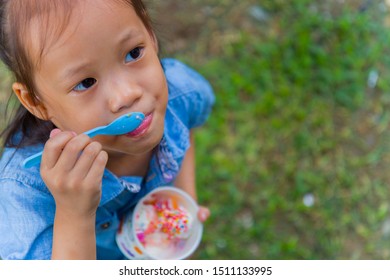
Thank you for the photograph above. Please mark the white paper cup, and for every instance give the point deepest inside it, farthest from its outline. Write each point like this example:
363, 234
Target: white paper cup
132, 247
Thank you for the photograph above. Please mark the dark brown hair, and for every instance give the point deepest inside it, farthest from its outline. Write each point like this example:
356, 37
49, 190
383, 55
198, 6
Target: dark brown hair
15, 19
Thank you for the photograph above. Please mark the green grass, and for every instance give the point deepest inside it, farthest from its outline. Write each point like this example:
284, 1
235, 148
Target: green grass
294, 117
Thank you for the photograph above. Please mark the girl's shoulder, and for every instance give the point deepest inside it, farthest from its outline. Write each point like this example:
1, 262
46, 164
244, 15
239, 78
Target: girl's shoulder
190, 95
182, 79
12, 172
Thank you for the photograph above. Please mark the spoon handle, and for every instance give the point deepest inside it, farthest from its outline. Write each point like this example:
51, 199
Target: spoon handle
123, 124
32, 160
94, 131
36, 158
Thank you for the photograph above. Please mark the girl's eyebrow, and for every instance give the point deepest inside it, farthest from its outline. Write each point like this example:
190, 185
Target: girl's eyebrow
128, 35
74, 69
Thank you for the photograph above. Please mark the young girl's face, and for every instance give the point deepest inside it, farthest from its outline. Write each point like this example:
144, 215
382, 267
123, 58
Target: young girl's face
103, 65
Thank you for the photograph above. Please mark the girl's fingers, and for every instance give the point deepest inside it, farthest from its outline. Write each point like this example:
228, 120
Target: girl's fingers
53, 148
203, 213
86, 160
97, 169
72, 152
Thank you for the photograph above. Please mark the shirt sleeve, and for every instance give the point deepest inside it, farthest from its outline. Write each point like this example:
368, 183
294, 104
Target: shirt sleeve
190, 93
203, 99
26, 221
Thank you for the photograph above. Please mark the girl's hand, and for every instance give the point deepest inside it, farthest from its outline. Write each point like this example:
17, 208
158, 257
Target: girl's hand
72, 167
203, 213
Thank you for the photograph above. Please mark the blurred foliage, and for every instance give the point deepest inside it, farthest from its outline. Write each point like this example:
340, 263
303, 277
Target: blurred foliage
293, 159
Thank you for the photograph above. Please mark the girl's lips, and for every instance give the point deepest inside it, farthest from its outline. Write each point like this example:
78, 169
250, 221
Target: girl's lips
142, 128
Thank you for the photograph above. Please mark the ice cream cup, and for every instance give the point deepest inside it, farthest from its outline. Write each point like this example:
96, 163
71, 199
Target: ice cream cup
129, 243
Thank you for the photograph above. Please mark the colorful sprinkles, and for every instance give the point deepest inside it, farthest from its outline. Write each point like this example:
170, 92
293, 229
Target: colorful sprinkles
163, 218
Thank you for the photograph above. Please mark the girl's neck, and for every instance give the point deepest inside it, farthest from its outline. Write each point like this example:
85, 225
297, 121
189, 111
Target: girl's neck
129, 165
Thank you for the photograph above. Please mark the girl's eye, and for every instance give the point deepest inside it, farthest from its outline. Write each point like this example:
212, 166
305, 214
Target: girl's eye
85, 84
134, 54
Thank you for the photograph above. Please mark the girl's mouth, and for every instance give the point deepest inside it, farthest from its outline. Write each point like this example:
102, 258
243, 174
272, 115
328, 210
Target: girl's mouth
142, 128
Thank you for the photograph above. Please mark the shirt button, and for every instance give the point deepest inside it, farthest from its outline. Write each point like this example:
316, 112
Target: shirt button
134, 188
105, 225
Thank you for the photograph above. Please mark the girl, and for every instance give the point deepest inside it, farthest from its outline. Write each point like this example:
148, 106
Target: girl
78, 65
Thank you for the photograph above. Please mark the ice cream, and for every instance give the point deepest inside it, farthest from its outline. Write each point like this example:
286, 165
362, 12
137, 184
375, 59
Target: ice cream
162, 225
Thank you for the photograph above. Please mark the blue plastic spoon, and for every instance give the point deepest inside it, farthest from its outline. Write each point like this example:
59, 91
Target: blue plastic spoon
122, 125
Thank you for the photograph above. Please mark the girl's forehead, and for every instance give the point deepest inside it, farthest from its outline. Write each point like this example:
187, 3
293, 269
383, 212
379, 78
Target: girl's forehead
46, 24
54, 25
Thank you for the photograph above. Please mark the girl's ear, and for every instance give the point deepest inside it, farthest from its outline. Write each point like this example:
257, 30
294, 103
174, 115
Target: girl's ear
34, 106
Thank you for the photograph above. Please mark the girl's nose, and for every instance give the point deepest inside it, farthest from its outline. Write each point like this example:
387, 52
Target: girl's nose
123, 94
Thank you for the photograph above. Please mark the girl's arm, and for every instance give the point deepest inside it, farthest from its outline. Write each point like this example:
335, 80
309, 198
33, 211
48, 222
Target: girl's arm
72, 167
73, 237
185, 180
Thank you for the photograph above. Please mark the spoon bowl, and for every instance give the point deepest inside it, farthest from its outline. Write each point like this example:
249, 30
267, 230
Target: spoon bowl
121, 125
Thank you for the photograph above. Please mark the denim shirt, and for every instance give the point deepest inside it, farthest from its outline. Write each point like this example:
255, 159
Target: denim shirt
27, 207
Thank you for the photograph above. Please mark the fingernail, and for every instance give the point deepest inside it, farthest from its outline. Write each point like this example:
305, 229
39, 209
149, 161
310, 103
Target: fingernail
54, 132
